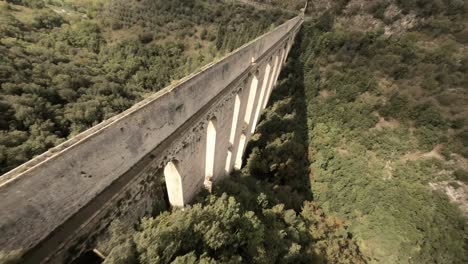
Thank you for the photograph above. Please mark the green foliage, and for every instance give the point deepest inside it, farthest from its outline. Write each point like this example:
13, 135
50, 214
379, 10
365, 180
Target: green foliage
218, 226
427, 115
28, 3
429, 136
325, 22
397, 107
432, 7
287, 4
461, 175
47, 20
368, 174
120, 245
221, 230
378, 9
85, 34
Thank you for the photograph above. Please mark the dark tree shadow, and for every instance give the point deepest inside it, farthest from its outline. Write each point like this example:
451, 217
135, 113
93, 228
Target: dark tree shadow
278, 151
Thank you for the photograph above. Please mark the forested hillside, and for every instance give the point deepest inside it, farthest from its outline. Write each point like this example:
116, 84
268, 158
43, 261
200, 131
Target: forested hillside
67, 65
285, 4
386, 85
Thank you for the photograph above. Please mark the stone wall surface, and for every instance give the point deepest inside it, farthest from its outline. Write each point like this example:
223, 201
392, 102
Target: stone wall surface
53, 204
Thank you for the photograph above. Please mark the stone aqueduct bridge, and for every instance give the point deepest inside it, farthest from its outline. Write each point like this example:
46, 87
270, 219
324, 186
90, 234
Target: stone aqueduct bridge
195, 132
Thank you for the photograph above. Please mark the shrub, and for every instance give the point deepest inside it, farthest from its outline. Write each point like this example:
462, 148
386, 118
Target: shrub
461, 175
146, 37
325, 22
116, 25
429, 136
464, 152
28, 3
378, 9
458, 123
427, 114
430, 84
463, 137
397, 107
455, 185
47, 19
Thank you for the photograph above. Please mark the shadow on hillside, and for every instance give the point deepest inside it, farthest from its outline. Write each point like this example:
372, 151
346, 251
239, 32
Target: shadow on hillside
278, 152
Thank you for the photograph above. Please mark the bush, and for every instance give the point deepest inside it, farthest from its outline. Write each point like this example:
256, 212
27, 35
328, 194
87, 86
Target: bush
325, 22
455, 185
463, 136
28, 3
397, 107
48, 20
461, 175
116, 25
427, 114
429, 136
458, 123
378, 9
464, 152
430, 84
146, 37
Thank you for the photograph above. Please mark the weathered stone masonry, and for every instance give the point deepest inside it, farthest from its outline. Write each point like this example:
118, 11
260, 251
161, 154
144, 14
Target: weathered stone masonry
194, 132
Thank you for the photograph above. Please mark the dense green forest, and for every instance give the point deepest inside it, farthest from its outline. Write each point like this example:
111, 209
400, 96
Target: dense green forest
68, 65
387, 116
285, 4
360, 157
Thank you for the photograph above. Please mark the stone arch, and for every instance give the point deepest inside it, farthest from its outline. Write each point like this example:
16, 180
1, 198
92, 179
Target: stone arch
232, 136
174, 186
210, 153
235, 118
261, 97
272, 80
285, 53
227, 168
251, 98
240, 152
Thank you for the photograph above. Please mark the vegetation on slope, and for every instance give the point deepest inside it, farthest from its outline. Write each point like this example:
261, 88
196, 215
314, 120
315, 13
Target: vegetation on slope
68, 65
387, 124
285, 4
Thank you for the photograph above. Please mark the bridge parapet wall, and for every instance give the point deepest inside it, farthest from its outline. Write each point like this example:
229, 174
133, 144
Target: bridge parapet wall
199, 127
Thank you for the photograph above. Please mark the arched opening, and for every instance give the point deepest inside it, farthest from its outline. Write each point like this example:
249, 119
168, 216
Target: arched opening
278, 70
235, 118
174, 184
272, 81
251, 100
227, 168
240, 152
266, 79
210, 150
285, 53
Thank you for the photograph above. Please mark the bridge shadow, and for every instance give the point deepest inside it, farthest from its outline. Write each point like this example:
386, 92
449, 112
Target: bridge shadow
276, 159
